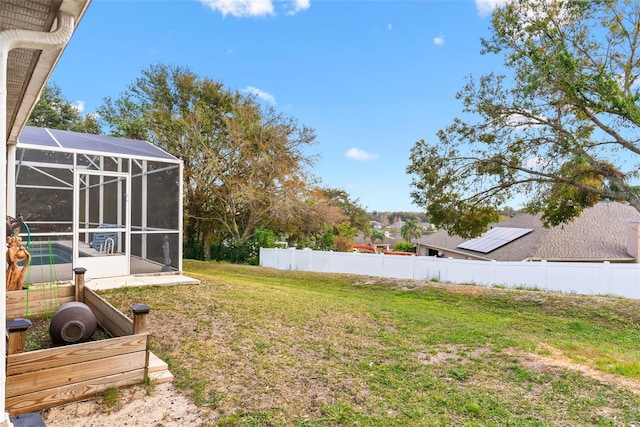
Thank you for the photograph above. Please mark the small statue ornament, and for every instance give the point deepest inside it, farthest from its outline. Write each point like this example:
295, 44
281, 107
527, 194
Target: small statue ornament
16, 252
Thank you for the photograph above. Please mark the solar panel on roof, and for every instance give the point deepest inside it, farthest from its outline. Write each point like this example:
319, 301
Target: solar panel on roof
494, 238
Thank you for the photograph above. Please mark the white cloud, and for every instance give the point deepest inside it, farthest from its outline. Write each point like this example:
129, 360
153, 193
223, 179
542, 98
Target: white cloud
389, 27
485, 7
360, 155
248, 8
438, 41
241, 8
299, 5
258, 93
537, 163
519, 121
79, 105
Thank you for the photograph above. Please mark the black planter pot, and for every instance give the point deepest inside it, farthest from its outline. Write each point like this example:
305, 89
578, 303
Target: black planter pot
71, 323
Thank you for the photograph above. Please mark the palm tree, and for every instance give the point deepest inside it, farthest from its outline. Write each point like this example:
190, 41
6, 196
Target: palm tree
410, 229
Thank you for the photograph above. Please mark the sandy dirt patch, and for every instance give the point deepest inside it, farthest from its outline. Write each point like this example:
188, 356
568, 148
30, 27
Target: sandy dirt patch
164, 406
556, 360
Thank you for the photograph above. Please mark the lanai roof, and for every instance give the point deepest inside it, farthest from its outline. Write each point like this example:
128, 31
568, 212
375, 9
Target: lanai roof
68, 141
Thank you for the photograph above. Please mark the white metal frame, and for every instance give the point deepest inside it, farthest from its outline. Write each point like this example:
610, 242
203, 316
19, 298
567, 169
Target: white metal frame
119, 263
125, 166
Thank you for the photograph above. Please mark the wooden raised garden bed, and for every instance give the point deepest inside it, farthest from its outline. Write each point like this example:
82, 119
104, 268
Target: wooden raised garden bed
49, 377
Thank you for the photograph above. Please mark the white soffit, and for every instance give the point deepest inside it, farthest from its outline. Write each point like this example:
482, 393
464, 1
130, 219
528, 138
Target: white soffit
29, 69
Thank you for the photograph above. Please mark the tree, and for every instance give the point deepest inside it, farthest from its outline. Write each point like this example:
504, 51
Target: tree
376, 236
563, 131
257, 176
313, 216
245, 166
344, 239
54, 111
355, 213
410, 229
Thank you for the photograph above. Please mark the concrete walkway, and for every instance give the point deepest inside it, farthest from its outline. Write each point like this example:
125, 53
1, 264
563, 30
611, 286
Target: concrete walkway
148, 280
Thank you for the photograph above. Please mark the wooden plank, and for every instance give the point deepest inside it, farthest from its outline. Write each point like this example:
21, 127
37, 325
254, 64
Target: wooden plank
41, 301
44, 399
37, 360
69, 374
156, 364
40, 293
158, 370
112, 320
36, 308
161, 377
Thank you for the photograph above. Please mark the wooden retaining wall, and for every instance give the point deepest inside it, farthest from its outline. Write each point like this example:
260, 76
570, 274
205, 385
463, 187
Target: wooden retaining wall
46, 378
41, 300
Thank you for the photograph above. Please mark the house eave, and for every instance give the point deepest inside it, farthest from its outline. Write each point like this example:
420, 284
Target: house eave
611, 260
454, 251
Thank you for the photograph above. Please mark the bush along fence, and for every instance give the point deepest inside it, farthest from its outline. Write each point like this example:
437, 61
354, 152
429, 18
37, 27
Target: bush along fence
570, 277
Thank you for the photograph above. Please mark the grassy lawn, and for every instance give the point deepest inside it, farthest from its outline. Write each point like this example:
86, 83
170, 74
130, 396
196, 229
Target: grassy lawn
262, 347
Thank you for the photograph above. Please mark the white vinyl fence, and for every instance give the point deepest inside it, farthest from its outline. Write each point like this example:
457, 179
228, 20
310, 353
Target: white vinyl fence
570, 277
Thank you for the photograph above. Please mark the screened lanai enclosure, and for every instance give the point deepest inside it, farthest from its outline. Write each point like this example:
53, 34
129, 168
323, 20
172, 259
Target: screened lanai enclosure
110, 205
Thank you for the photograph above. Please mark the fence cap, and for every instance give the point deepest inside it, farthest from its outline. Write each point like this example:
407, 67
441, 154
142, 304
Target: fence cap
140, 308
79, 270
17, 325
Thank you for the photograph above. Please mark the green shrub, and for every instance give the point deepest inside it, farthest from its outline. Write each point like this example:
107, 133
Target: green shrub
404, 246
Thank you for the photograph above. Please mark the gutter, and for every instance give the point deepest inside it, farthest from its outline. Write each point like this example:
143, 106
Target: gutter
465, 254
610, 260
9, 40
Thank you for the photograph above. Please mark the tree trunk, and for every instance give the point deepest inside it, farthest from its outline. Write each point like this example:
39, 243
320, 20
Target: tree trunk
207, 241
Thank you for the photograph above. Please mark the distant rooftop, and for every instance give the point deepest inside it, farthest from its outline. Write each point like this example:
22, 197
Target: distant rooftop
599, 233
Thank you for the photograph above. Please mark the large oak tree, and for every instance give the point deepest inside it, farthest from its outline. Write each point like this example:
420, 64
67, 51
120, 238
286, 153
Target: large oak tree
245, 165
562, 128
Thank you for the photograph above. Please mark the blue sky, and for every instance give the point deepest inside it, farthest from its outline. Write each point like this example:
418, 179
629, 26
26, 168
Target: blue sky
371, 77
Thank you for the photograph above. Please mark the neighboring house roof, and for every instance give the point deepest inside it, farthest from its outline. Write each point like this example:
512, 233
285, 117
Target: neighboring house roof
599, 233
359, 239
396, 225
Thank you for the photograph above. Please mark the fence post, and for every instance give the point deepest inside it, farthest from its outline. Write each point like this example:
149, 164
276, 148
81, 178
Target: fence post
602, 278
413, 267
545, 274
331, 261
79, 282
292, 262
140, 312
494, 269
447, 277
17, 329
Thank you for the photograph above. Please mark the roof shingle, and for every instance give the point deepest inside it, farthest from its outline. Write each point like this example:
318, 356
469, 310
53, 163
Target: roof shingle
599, 233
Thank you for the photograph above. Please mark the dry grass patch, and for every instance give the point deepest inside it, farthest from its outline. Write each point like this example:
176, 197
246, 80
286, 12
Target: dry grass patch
256, 346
